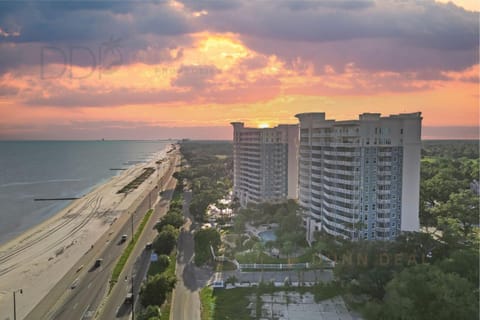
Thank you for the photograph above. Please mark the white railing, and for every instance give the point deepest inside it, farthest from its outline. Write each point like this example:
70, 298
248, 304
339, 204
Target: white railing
277, 266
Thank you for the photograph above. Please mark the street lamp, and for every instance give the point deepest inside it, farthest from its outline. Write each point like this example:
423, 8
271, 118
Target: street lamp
15, 304
133, 213
133, 297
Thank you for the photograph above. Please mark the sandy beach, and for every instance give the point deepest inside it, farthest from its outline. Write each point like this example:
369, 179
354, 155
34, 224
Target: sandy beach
36, 260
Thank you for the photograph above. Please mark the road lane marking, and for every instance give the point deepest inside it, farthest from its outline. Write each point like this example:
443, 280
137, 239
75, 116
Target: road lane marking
84, 312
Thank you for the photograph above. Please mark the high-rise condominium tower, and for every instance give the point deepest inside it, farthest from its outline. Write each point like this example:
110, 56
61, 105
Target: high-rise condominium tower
360, 179
265, 163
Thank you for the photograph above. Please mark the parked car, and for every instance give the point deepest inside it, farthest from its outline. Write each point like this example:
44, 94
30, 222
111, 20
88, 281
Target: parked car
123, 238
148, 246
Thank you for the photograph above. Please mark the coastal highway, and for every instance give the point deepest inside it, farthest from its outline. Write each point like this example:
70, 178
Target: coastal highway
80, 292
138, 262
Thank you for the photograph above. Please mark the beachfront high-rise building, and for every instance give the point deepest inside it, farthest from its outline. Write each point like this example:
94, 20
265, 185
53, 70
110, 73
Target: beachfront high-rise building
360, 179
265, 164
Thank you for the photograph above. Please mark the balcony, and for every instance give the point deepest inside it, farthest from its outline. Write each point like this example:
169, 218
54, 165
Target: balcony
342, 153
341, 190
352, 163
339, 171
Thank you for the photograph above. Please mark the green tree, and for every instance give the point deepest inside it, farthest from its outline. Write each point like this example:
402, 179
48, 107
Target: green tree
155, 291
463, 262
163, 262
204, 239
172, 218
166, 240
239, 223
287, 248
366, 266
425, 292
463, 208
150, 313
235, 204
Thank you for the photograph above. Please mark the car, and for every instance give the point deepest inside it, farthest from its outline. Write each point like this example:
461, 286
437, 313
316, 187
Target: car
128, 298
124, 238
98, 263
74, 284
148, 246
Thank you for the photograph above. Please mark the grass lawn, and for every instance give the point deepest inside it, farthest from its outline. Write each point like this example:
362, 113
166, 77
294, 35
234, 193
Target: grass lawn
429, 159
254, 257
232, 304
128, 250
165, 308
225, 266
207, 300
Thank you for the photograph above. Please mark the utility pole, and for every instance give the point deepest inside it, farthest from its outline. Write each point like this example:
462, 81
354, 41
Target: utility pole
133, 297
15, 304
133, 212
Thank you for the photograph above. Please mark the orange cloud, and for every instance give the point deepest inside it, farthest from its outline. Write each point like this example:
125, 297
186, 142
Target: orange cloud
218, 79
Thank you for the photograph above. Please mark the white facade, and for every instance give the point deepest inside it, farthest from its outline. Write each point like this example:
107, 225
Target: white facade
265, 163
360, 179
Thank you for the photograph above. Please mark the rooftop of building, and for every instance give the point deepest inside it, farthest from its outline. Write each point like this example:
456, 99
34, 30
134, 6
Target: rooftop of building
279, 126
366, 116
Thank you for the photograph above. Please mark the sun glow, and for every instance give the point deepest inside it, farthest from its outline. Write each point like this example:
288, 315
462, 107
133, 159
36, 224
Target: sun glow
263, 125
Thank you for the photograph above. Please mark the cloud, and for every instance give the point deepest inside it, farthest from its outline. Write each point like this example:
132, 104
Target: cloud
6, 90
424, 23
115, 97
212, 5
112, 130
332, 4
390, 35
194, 76
376, 35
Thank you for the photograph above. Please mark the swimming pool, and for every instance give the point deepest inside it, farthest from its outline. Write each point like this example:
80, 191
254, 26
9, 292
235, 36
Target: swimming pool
268, 235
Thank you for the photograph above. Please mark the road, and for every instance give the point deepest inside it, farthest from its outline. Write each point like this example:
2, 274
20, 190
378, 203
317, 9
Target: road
91, 284
190, 279
114, 307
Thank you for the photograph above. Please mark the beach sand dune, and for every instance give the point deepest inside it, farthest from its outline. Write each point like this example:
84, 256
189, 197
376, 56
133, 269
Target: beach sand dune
36, 260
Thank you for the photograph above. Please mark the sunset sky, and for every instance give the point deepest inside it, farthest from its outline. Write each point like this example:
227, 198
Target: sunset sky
187, 68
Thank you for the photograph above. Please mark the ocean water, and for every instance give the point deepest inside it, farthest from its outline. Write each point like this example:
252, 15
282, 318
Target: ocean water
46, 169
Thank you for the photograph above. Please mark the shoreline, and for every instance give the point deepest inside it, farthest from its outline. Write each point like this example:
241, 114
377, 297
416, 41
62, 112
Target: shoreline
83, 193
38, 258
